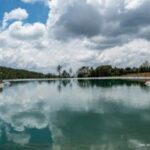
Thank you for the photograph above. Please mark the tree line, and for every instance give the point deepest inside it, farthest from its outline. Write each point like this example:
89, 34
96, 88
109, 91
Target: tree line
85, 71
108, 70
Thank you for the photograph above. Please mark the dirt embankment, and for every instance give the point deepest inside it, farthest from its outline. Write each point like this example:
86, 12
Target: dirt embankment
146, 74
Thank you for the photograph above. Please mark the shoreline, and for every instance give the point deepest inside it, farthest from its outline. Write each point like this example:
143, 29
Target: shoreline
88, 78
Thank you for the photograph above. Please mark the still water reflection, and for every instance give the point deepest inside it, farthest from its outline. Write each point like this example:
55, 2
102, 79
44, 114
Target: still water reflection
75, 115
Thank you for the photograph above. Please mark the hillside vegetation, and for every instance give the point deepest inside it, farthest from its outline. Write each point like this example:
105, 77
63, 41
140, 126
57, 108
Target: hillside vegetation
9, 73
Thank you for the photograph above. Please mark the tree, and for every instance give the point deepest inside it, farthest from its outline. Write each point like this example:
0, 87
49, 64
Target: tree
145, 67
103, 70
59, 68
84, 72
70, 71
146, 64
65, 74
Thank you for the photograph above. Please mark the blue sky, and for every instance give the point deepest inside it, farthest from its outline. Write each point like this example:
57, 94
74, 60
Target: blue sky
38, 12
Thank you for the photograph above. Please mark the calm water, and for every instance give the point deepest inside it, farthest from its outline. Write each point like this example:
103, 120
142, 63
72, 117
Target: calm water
75, 115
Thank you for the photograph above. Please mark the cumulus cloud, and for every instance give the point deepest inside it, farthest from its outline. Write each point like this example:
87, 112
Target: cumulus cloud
77, 20
16, 14
89, 32
126, 54
26, 31
117, 22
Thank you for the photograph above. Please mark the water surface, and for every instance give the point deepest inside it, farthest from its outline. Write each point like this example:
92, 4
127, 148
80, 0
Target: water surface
75, 115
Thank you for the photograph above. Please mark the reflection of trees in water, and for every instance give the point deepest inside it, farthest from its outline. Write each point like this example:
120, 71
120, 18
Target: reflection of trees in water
88, 83
1, 89
145, 88
63, 83
108, 83
15, 83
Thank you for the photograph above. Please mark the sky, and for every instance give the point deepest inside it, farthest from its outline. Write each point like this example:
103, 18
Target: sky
41, 34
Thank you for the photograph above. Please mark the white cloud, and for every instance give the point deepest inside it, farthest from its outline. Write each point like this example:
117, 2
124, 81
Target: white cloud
35, 46
27, 31
16, 14
131, 54
20, 139
133, 4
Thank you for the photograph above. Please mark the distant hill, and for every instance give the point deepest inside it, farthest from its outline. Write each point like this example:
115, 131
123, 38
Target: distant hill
10, 73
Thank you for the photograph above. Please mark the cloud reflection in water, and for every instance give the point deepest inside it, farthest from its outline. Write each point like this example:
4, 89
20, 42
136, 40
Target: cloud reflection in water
92, 114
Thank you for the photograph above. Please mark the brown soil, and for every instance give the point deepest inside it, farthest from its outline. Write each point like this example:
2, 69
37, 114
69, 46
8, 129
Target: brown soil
146, 74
